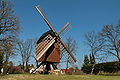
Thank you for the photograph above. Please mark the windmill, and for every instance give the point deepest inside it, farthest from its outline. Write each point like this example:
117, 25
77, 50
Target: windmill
49, 47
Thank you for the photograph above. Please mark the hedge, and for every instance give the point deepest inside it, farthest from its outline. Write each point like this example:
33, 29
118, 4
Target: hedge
109, 67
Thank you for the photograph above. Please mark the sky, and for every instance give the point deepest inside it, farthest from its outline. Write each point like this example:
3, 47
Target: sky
83, 15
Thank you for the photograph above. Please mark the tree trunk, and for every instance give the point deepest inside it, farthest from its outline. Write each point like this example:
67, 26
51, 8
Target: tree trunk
1, 62
67, 65
26, 66
36, 62
67, 62
118, 55
93, 67
5, 67
23, 66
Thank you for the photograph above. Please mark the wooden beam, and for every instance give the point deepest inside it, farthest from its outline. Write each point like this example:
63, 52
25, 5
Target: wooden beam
63, 28
46, 20
62, 34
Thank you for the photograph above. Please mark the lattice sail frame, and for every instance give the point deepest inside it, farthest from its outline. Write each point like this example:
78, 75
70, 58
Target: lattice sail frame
44, 45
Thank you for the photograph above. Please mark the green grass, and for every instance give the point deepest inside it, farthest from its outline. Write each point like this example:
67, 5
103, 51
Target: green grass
56, 77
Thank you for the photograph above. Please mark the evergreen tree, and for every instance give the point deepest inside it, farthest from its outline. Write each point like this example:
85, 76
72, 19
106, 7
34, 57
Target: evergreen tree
86, 66
86, 60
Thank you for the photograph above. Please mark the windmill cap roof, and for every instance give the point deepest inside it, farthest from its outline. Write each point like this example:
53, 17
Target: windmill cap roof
44, 35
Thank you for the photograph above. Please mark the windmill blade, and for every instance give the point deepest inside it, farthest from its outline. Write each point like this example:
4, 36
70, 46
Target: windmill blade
65, 47
62, 34
66, 55
46, 20
63, 28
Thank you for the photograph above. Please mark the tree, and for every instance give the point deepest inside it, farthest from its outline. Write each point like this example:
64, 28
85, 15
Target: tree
95, 44
111, 35
25, 50
86, 65
9, 28
34, 51
33, 55
86, 60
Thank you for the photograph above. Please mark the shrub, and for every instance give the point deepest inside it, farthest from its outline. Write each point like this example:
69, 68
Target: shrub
87, 68
108, 67
14, 70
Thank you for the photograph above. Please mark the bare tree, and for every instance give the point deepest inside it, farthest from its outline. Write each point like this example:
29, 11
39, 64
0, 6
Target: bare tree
111, 35
9, 28
25, 50
95, 44
34, 56
34, 51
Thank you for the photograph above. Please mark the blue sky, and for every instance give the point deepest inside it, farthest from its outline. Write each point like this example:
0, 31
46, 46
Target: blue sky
83, 15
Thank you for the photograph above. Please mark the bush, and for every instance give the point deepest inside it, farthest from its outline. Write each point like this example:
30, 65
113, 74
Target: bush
14, 70
108, 67
87, 68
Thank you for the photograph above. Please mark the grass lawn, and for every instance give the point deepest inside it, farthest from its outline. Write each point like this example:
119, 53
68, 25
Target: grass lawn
56, 77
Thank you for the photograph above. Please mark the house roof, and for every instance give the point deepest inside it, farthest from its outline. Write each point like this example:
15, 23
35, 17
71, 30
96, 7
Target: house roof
66, 70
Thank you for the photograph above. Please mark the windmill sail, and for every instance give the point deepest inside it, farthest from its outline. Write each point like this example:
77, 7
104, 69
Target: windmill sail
66, 55
66, 52
43, 46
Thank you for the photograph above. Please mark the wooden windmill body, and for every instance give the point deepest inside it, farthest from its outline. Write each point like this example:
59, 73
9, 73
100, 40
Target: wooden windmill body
49, 47
52, 52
